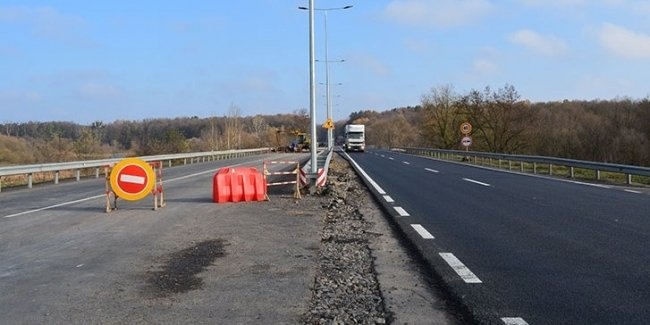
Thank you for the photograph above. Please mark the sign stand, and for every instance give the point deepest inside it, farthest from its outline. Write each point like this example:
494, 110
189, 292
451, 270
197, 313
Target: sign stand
133, 179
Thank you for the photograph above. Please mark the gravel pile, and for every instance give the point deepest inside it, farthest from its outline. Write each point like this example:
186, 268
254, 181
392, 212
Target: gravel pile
345, 290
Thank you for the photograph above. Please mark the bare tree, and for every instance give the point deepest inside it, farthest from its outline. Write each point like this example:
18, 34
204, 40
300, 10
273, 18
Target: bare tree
441, 117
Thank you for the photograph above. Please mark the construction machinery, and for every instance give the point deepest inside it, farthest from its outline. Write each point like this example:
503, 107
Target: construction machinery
292, 141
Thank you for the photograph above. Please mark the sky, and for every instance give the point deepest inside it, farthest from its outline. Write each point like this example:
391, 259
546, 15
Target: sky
84, 61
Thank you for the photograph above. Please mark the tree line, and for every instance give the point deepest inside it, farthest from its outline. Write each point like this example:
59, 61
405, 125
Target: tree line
616, 131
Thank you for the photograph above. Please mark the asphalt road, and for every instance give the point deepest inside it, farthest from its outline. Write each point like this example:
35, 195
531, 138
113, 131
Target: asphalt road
521, 249
64, 260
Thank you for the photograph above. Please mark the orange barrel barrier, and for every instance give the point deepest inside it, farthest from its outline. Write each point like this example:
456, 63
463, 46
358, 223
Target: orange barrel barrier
238, 184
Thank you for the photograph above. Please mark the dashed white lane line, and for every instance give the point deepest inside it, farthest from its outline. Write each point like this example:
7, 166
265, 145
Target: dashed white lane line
590, 184
476, 182
431, 170
406, 162
513, 321
422, 232
388, 199
460, 268
391, 158
401, 211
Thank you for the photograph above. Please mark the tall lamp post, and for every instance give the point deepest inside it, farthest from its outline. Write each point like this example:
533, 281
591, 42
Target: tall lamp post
330, 132
312, 93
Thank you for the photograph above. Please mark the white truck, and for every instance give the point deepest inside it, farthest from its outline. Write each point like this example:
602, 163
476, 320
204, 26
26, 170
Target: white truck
355, 137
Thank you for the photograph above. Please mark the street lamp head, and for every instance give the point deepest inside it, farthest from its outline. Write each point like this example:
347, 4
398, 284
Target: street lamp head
327, 9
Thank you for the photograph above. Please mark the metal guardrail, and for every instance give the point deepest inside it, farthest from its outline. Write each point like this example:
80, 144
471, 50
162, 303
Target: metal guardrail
77, 166
628, 170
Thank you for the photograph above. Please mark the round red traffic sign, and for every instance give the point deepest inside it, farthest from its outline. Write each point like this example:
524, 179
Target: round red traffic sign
466, 141
466, 128
132, 179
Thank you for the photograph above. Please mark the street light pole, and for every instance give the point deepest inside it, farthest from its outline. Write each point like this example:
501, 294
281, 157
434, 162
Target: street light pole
312, 94
330, 132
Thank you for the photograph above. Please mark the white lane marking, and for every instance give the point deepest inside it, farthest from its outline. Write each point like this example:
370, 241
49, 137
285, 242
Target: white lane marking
431, 170
422, 231
406, 162
54, 206
513, 321
388, 199
126, 178
633, 191
476, 182
391, 158
460, 268
402, 212
98, 196
591, 184
363, 172
383, 156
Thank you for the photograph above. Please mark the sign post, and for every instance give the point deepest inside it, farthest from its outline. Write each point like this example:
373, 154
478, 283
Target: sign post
132, 179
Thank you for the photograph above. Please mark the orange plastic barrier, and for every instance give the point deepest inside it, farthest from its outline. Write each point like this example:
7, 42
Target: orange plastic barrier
238, 184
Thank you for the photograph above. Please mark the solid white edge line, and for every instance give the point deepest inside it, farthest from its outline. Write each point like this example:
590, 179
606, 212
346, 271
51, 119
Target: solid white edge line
460, 268
54, 206
476, 182
402, 212
633, 191
101, 195
422, 231
388, 199
513, 321
431, 170
363, 172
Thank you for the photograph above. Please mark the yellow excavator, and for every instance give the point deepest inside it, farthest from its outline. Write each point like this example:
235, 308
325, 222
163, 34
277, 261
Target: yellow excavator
292, 141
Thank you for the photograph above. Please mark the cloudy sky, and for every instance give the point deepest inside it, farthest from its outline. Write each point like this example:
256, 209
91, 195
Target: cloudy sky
82, 61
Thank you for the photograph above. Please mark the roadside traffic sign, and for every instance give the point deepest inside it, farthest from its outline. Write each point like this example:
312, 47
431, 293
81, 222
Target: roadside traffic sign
329, 124
466, 141
466, 128
132, 179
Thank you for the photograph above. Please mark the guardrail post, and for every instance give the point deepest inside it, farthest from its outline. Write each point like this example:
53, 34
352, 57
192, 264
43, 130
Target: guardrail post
56, 177
521, 166
571, 172
550, 170
97, 172
30, 178
629, 179
78, 174
597, 175
534, 168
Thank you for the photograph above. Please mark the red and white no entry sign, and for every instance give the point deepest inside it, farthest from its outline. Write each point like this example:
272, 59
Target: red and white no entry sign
132, 179
466, 141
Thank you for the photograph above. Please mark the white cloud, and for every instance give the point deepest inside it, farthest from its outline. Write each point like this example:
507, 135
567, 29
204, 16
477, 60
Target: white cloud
484, 66
371, 63
47, 23
436, 13
19, 96
553, 3
98, 91
623, 42
547, 45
